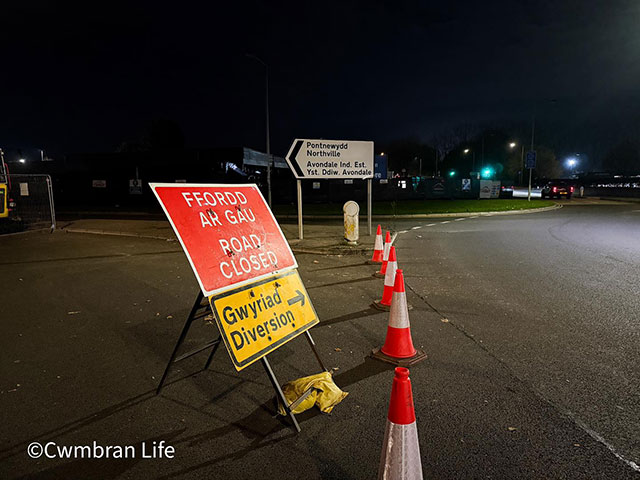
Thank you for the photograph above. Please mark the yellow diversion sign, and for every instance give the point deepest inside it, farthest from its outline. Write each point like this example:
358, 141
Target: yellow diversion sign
256, 319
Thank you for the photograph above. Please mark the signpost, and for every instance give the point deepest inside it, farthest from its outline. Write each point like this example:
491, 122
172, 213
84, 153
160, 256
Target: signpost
530, 163
380, 167
331, 159
245, 268
135, 186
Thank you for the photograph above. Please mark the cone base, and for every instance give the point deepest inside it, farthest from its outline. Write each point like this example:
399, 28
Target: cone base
379, 275
399, 362
386, 308
373, 262
381, 306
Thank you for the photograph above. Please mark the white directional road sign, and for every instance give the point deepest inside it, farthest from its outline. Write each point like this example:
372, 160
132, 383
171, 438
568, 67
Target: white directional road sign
331, 158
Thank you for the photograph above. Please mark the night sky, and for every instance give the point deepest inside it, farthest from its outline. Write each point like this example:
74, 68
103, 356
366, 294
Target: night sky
87, 78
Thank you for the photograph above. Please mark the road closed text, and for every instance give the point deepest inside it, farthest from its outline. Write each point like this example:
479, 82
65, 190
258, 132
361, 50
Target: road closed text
245, 254
227, 232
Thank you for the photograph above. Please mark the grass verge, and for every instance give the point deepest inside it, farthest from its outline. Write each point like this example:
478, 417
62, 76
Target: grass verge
417, 207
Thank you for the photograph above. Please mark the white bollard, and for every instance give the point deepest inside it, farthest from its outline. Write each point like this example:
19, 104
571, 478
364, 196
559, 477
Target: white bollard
351, 230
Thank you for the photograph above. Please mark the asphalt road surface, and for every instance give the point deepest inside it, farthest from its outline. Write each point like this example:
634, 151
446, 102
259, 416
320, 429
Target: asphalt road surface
530, 323
555, 297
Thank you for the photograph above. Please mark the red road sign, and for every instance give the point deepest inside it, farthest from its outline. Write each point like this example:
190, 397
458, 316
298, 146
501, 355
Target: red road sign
227, 232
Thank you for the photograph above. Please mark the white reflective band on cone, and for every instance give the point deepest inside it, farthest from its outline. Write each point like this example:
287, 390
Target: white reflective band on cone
385, 251
399, 314
390, 276
378, 244
401, 457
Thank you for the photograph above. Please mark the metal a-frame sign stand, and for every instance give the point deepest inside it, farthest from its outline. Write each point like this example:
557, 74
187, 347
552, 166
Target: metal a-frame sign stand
240, 258
201, 310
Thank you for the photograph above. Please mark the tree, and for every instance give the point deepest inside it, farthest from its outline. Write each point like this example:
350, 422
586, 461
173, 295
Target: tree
407, 153
624, 158
513, 165
547, 164
161, 135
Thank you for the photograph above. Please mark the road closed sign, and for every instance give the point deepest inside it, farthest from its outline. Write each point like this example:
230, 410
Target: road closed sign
227, 232
331, 159
258, 318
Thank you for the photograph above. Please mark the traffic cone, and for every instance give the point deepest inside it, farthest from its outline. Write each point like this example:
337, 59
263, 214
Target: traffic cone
398, 346
389, 280
385, 256
377, 247
400, 459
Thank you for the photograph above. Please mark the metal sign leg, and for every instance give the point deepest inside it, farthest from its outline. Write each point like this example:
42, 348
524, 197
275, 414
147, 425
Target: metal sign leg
197, 305
315, 352
299, 196
369, 204
279, 393
213, 352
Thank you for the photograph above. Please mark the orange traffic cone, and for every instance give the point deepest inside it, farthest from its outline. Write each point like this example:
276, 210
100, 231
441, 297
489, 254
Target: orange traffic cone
389, 280
398, 346
400, 459
377, 247
385, 256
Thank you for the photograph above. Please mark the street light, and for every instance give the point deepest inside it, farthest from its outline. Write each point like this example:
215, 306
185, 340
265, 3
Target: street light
512, 145
22, 160
266, 96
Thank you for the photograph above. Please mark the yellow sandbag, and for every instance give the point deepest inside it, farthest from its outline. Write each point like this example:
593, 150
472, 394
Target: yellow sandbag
325, 393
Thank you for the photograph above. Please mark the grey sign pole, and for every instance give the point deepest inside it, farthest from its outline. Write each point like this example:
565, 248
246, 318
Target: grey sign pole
369, 203
531, 164
300, 232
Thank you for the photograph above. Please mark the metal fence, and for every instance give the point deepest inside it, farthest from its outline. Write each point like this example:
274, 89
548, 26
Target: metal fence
33, 198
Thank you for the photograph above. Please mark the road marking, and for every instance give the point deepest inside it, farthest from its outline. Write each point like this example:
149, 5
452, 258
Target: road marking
430, 225
416, 228
448, 221
475, 216
403, 231
458, 219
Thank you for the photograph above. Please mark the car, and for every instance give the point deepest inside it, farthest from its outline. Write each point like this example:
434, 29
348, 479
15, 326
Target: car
506, 191
557, 189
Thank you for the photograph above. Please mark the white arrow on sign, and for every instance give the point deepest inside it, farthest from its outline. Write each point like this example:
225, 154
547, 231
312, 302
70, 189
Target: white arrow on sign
331, 158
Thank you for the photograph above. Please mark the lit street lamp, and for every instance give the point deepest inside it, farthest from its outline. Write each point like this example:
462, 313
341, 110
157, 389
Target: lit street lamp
571, 163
